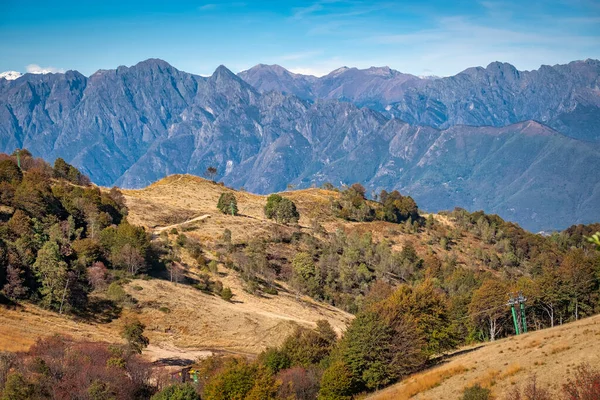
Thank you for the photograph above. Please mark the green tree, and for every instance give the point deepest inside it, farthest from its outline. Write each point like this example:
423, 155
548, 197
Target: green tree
17, 387
133, 333
378, 352
234, 382
51, 271
281, 209
337, 383
227, 203
305, 275
177, 392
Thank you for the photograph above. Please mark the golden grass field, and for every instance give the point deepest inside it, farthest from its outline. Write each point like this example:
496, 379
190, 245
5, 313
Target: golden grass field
550, 354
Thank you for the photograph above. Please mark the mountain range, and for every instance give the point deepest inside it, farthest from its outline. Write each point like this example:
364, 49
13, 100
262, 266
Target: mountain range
523, 144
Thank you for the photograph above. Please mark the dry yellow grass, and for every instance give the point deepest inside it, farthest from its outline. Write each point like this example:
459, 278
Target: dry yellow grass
422, 382
494, 365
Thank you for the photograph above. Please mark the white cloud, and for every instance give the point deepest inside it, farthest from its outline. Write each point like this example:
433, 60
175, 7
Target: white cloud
36, 69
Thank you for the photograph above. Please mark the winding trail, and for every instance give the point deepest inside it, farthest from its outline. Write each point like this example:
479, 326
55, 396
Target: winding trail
189, 221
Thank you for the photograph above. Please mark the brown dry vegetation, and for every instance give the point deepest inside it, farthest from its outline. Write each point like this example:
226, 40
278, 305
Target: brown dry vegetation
506, 363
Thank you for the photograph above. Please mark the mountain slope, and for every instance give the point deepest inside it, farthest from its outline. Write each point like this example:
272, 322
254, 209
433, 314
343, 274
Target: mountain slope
551, 355
565, 97
132, 126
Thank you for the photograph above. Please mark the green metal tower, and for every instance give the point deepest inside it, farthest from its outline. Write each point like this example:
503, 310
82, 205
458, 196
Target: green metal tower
511, 303
522, 301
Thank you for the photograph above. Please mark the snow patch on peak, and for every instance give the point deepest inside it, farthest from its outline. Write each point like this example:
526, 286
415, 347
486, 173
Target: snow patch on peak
10, 75
339, 71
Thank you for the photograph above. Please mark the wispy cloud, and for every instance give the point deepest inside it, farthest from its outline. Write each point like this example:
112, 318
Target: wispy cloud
36, 69
300, 55
463, 41
207, 7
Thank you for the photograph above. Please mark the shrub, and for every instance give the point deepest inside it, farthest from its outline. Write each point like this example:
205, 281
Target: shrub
177, 392
476, 392
226, 294
116, 293
585, 385
133, 333
531, 391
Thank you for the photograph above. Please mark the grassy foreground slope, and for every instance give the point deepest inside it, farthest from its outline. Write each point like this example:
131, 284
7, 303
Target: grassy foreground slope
550, 354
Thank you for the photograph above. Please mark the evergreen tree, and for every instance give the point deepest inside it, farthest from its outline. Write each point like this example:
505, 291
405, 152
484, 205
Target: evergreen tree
51, 272
227, 204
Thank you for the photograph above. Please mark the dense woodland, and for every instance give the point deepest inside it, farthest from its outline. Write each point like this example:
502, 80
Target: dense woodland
67, 246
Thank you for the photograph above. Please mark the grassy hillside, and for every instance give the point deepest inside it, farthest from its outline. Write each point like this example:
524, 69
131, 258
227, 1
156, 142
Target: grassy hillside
551, 355
242, 284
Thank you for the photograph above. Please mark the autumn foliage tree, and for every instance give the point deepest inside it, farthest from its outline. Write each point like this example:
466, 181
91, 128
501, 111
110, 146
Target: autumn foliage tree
488, 307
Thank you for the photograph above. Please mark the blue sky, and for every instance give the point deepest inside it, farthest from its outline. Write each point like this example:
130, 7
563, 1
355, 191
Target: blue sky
420, 37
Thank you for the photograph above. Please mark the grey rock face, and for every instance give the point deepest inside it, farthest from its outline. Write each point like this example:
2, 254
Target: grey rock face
565, 97
132, 126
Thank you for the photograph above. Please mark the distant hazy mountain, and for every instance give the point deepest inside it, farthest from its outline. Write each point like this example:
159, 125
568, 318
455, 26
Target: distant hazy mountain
131, 126
565, 97
374, 87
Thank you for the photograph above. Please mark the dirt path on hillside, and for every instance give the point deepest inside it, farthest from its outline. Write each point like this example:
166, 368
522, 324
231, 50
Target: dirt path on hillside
189, 221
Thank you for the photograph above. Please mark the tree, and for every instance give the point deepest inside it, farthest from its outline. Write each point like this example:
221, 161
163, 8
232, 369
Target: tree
177, 392
397, 208
130, 259
337, 383
548, 292
133, 333
488, 306
227, 204
304, 274
14, 287
595, 239
210, 173
306, 347
577, 271
10, 172
51, 271
234, 382
281, 209
379, 349
17, 387
428, 308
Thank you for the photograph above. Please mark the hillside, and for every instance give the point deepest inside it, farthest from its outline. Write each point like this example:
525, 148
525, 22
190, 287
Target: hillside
194, 321
303, 301
132, 126
551, 355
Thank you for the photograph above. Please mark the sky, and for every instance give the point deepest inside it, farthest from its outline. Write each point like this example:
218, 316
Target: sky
439, 37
